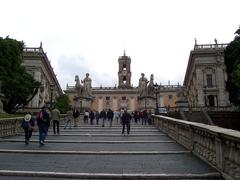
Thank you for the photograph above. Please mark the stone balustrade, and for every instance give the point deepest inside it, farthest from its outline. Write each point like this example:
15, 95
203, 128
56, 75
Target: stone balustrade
217, 146
10, 126
210, 46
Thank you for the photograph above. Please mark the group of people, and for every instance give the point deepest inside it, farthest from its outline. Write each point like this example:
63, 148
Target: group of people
73, 115
43, 122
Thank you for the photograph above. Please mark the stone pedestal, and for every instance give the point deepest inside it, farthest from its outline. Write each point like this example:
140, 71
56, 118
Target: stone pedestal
83, 103
146, 102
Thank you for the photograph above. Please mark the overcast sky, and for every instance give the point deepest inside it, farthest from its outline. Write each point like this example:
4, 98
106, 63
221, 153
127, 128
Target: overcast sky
83, 36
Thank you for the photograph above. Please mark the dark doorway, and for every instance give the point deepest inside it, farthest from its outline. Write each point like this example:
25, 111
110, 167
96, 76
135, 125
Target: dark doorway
211, 100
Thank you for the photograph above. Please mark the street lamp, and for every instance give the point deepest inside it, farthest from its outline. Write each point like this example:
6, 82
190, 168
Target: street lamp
157, 89
51, 95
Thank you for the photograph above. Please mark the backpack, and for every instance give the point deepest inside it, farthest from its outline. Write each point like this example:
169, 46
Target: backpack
25, 124
40, 116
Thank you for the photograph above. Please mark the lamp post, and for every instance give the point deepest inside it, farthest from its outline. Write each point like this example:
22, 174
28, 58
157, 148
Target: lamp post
51, 95
157, 89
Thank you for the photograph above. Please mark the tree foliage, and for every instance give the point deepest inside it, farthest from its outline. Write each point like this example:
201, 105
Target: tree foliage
18, 86
62, 103
232, 61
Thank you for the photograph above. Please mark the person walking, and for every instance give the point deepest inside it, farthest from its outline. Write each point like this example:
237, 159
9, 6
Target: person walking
126, 119
97, 115
145, 117
86, 117
69, 118
103, 117
76, 115
116, 115
110, 117
91, 116
55, 120
28, 125
43, 122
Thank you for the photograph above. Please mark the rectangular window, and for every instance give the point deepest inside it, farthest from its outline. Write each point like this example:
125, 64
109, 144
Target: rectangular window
170, 97
124, 98
209, 80
107, 98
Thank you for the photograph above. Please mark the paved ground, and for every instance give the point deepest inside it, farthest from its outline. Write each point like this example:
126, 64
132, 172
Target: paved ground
94, 152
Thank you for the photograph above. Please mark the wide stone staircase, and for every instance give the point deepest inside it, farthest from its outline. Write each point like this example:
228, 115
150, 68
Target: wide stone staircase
95, 152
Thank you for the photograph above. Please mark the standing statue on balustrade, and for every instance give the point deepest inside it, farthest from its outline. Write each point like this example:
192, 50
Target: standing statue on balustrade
87, 84
151, 86
143, 90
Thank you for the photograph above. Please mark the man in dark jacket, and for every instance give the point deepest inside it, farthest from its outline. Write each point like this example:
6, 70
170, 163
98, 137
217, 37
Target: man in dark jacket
126, 119
110, 116
43, 122
91, 116
103, 116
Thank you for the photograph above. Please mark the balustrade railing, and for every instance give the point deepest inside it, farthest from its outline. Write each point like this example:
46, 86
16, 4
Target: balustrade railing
10, 126
217, 146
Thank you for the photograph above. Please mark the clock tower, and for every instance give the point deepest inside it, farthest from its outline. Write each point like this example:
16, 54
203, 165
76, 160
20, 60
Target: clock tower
124, 72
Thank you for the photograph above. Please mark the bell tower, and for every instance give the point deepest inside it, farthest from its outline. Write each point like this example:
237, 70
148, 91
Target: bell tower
124, 72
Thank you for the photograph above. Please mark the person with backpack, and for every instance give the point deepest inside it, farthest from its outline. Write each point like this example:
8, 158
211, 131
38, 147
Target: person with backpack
27, 125
43, 122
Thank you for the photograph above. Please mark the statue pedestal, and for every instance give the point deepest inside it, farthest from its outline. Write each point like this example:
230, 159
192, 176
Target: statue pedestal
146, 102
83, 103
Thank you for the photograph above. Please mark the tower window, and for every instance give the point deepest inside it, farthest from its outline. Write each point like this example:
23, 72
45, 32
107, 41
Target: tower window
124, 80
209, 80
124, 67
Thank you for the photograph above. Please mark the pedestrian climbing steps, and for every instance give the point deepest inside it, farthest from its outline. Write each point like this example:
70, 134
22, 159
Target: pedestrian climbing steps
95, 152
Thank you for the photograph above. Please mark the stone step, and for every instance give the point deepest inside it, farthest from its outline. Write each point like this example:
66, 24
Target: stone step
27, 175
180, 163
105, 130
90, 146
109, 137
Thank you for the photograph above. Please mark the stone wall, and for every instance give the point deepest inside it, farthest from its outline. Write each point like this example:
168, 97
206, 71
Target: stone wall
217, 146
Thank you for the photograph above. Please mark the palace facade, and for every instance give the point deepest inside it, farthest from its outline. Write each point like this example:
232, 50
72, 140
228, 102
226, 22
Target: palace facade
206, 77
38, 65
125, 95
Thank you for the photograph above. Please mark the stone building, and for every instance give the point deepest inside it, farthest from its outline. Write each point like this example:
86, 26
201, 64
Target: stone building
38, 65
205, 76
125, 95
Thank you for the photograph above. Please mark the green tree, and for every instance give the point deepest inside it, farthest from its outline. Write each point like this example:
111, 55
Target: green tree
18, 86
62, 103
232, 61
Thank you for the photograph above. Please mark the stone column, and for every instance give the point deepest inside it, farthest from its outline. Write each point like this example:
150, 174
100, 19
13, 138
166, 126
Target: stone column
200, 80
221, 85
35, 101
100, 104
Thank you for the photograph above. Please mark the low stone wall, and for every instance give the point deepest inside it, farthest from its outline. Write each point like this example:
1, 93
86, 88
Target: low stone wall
217, 146
10, 126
